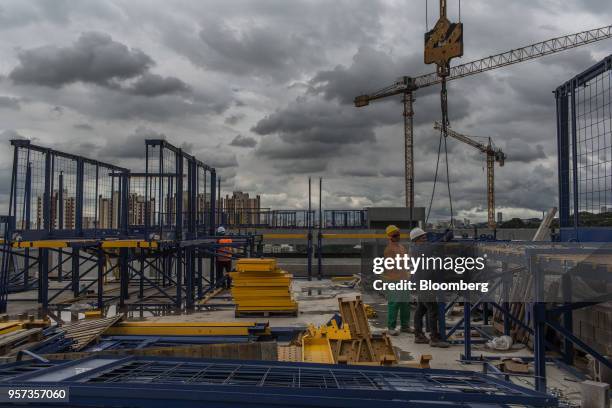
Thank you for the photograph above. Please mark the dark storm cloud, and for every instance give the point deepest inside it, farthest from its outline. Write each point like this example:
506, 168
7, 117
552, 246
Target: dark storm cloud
234, 119
253, 50
132, 146
370, 68
313, 121
520, 151
273, 148
218, 159
93, 58
9, 102
274, 39
155, 85
243, 141
301, 166
109, 104
83, 126
365, 171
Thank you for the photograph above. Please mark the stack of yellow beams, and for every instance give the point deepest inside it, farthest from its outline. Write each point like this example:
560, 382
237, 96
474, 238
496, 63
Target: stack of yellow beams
259, 286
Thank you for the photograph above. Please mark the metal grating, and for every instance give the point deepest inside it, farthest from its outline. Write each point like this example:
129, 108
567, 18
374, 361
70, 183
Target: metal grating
171, 372
584, 129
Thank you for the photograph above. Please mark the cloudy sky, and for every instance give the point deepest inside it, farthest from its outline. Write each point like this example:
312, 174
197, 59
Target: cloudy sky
263, 90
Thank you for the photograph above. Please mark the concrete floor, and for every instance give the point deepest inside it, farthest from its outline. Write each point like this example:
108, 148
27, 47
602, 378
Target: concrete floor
318, 302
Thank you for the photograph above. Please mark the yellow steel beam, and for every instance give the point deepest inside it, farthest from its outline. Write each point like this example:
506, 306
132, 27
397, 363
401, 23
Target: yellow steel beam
331, 236
284, 236
41, 244
8, 327
359, 236
179, 329
130, 243
52, 243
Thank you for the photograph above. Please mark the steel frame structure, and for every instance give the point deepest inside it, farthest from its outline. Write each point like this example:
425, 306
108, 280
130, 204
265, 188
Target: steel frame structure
537, 261
584, 123
180, 382
150, 232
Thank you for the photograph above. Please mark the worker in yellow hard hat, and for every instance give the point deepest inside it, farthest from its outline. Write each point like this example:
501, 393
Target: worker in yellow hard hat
398, 301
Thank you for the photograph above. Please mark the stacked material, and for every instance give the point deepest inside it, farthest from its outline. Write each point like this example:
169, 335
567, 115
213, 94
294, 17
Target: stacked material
259, 286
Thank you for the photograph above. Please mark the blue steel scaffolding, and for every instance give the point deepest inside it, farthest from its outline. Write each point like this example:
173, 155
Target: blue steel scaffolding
81, 223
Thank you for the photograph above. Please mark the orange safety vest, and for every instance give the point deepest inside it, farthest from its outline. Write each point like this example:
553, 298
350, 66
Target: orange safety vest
225, 253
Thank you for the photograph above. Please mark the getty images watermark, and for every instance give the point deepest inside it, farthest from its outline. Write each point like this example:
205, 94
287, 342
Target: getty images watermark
430, 267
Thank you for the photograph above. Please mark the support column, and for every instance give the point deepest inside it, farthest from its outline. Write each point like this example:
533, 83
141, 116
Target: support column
124, 277
101, 263
467, 328
43, 278
75, 272
189, 272
539, 323
506, 285
179, 278
568, 322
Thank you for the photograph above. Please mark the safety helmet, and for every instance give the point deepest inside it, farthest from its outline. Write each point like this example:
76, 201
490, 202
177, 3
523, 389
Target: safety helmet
221, 231
416, 233
391, 230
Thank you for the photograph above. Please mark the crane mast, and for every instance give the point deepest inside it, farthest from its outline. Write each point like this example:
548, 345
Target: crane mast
407, 85
493, 155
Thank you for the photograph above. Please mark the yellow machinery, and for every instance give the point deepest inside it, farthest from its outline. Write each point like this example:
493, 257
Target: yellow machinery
259, 286
353, 343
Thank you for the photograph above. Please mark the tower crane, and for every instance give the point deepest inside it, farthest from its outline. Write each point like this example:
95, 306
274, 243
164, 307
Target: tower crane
407, 85
493, 155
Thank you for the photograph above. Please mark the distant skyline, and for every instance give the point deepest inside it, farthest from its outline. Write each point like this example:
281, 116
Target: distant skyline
263, 90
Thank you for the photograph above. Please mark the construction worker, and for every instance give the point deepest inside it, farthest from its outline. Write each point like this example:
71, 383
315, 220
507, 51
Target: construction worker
223, 264
397, 300
425, 306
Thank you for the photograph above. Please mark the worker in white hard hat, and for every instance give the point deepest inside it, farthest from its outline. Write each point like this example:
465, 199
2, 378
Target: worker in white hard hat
223, 259
425, 308
418, 235
398, 301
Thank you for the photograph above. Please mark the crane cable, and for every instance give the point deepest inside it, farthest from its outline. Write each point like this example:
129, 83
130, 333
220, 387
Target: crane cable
433, 190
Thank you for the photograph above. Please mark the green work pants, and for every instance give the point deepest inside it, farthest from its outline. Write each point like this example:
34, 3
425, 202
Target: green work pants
393, 308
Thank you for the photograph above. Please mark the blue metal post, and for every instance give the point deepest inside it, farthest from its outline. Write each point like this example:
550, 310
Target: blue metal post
124, 277
539, 322
75, 271
78, 213
28, 203
563, 155
575, 161
309, 222
467, 327
179, 194
213, 226
101, 263
60, 268
506, 283
320, 234
568, 324
43, 278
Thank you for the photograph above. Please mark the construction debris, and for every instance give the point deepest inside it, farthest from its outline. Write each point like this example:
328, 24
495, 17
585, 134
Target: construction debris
260, 287
85, 332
